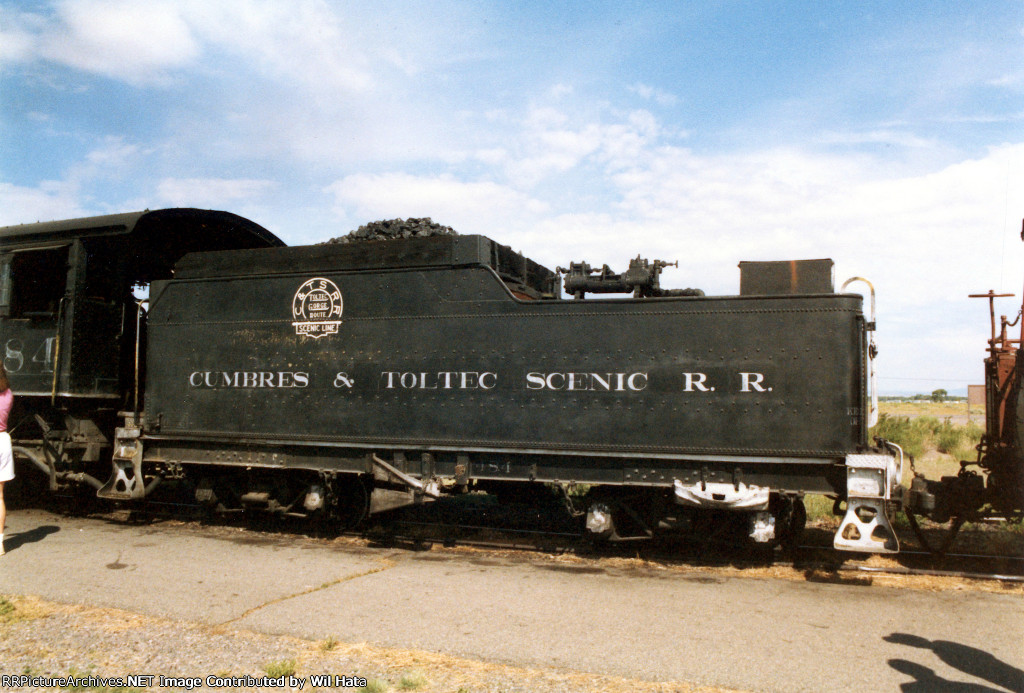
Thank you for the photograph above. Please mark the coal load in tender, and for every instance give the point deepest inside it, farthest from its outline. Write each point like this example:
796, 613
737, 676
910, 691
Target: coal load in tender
391, 229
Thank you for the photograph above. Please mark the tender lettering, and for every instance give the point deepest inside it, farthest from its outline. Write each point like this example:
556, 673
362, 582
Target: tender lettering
440, 380
697, 381
556, 381
587, 382
753, 381
248, 379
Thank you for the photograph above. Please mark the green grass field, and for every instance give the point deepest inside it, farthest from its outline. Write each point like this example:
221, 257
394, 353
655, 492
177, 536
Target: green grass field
939, 435
937, 445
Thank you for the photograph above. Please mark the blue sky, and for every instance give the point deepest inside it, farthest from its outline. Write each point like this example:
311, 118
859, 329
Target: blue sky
886, 135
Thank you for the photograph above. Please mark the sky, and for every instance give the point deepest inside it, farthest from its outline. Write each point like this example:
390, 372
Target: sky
888, 136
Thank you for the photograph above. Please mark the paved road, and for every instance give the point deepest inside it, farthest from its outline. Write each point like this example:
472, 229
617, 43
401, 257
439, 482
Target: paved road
743, 633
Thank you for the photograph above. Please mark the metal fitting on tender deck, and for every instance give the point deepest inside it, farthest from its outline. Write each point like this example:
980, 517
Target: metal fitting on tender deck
870, 482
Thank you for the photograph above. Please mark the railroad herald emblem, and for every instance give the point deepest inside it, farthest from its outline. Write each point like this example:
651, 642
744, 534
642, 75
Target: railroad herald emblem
316, 308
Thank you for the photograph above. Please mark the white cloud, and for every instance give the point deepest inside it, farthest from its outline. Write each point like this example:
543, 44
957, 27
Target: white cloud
18, 35
304, 42
322, 47
111, 159
786, 201
122, 39
493, 156
888, 137
48, 201
1011, 80
469, 207
560, 90
210, 192
114, 160
549, 142
659, 96
113, 153
151, 42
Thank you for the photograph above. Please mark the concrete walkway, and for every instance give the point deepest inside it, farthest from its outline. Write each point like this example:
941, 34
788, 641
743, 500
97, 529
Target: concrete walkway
529, 610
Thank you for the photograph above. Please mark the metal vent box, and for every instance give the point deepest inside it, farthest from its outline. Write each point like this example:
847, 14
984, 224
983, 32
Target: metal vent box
787, 277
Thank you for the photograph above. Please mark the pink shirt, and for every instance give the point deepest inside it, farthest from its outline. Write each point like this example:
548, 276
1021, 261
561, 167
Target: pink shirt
6, 400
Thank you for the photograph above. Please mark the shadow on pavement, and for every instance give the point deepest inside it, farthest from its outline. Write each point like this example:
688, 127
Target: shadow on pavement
14, 541
970, 660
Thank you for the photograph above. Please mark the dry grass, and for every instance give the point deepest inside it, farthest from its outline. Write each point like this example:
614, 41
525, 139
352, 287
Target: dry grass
422, 670
384, 668
15, 609
957, 412
933, 465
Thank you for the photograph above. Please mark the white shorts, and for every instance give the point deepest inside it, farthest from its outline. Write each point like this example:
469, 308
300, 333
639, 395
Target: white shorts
6, 457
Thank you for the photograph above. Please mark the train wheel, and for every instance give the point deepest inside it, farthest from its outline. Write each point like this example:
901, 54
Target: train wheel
794, 531
351, 502
615, 517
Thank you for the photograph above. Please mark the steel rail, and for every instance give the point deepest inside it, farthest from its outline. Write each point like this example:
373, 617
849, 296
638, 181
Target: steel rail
578, 544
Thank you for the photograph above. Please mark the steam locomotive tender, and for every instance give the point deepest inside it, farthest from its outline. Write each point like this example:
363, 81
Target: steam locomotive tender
349, 379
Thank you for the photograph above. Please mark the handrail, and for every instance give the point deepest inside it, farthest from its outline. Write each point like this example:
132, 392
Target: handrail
138, 336
872, 352
56, 349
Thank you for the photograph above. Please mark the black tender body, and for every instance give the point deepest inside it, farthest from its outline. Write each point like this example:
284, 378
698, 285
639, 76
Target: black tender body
431, 353
338, 380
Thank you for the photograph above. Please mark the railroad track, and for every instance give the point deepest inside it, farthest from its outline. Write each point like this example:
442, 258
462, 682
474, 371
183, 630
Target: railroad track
809, 557
421, 535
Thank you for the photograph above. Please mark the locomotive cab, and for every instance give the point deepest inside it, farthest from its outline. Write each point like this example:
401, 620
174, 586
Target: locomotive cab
65, 294
32, 288
71, 325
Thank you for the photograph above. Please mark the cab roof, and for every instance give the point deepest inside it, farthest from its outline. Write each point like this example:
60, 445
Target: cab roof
155, 239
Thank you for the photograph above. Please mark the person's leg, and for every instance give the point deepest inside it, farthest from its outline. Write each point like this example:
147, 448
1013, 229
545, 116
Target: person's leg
3, 517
